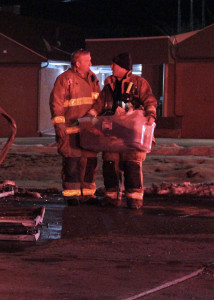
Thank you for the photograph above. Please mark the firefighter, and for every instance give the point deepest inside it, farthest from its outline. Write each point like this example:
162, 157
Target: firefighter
73, 94
130, 92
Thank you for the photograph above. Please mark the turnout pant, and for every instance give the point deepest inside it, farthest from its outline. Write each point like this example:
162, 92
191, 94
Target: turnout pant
79, 168
127, 166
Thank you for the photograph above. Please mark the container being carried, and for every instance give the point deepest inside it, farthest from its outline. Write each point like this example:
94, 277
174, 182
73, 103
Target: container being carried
121, 132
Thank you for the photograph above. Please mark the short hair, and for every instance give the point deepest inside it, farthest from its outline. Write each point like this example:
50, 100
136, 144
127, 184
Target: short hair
76, 55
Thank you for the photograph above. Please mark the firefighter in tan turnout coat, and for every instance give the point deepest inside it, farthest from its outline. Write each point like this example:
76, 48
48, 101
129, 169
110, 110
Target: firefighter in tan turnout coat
131, 92
73, 94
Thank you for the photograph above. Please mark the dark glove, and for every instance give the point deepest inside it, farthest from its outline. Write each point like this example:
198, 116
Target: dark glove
150, 120
60, 130
151, 115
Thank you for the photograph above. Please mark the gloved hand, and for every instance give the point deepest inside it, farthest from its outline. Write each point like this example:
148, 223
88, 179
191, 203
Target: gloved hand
60, 130
150, 120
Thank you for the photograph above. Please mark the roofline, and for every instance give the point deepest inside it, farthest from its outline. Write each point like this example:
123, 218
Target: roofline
128, 39
14, 41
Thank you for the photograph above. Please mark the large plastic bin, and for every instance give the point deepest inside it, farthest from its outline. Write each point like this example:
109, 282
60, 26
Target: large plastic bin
123, 131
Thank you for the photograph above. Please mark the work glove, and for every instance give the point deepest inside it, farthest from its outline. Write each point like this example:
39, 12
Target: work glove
150, 120
60, 130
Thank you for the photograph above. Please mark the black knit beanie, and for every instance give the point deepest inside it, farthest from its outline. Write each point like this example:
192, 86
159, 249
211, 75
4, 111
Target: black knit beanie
124, 60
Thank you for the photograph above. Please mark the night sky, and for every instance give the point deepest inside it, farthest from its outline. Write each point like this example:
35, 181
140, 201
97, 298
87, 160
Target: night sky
116, 18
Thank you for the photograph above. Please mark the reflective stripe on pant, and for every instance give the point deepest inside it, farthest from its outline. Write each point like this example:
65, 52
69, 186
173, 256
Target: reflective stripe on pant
78, 175
135, 195
130, 163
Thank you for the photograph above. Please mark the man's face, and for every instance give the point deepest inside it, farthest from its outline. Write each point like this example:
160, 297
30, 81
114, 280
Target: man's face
118, 71
83, 64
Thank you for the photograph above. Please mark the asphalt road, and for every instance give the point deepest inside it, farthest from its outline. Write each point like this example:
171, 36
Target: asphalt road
164, 251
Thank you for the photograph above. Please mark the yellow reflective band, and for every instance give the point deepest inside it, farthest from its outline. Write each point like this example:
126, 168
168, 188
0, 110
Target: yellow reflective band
135, 195
120, 195
70, 193
74, 129
78, 101
94, 95
58, 119
88, 192
112, 195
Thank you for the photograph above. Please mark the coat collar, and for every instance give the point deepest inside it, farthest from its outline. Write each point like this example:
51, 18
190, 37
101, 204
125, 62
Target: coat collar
111, 80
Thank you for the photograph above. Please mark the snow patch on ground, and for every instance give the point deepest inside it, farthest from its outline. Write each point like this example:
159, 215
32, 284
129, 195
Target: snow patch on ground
170, 169
186, 188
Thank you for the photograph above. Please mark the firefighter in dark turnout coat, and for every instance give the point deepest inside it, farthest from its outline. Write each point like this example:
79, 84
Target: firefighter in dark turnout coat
73, 94
131, 92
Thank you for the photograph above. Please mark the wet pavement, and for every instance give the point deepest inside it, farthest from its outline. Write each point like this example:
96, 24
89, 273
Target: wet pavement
66, 221
164, 251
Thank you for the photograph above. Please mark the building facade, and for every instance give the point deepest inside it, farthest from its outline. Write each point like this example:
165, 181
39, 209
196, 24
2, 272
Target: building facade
180, 70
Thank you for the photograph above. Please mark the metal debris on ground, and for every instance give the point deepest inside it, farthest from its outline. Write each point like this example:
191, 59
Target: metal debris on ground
8, 188
11, 138
19, 223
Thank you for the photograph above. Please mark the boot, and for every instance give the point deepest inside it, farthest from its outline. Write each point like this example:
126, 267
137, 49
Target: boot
107, 201
134, 203
72, 201
88, 199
